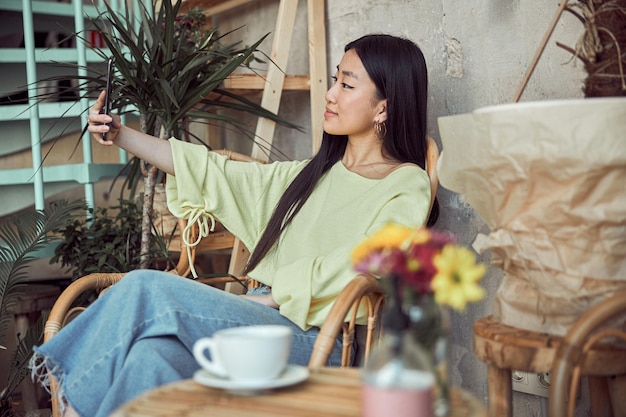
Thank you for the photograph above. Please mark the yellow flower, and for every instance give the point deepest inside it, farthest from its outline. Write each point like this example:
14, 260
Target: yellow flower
389, 237
455, 282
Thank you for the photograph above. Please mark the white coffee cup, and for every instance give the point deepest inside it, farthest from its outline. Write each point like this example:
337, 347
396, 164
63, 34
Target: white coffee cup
250, 353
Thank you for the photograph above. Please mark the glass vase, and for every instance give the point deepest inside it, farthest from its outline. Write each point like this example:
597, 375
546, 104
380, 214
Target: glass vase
398, 378
429, 325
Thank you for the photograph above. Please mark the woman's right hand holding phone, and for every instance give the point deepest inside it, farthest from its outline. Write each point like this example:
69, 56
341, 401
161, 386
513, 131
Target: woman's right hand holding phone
102, 123
151, 149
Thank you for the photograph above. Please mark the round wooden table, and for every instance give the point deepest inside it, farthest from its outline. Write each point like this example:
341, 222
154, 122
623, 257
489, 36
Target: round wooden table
328, 392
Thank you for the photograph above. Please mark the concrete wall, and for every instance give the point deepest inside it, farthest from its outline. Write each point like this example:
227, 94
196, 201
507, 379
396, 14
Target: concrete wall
477, 52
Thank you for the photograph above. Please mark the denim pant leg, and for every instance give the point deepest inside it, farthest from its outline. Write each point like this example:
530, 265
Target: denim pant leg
174, 362
99, 347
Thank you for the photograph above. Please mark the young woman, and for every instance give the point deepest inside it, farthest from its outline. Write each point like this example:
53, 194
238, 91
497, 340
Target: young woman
301, 218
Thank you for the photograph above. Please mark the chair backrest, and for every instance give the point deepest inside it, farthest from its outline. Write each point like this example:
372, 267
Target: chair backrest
432, 157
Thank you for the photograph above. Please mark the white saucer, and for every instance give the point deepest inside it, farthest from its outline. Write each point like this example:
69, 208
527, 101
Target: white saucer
292, 375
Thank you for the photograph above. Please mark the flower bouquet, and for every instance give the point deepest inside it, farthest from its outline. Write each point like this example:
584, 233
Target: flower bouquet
421, 270
425, 262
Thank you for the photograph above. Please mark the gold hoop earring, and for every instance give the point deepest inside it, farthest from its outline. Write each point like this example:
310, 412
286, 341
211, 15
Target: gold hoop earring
380, 129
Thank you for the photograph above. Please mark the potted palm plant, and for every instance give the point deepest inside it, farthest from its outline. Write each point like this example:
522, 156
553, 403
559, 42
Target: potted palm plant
547, 178
169, 68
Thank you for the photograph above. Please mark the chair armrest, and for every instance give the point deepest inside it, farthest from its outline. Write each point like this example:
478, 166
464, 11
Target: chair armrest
62, 306
363, 287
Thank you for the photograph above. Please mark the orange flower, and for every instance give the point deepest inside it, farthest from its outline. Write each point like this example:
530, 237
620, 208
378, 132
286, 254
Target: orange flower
391, 236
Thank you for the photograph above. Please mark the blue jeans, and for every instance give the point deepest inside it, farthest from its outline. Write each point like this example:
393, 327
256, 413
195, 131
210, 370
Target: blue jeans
140, 335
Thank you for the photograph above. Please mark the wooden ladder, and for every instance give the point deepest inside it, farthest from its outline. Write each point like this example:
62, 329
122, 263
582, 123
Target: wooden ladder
275, 80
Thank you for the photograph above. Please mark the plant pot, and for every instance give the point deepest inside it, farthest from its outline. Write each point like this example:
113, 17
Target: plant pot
548, 178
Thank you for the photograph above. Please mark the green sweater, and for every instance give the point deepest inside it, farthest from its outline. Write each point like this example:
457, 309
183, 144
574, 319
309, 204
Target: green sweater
311, 263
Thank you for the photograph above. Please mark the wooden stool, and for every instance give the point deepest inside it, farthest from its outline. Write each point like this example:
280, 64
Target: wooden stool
504, 349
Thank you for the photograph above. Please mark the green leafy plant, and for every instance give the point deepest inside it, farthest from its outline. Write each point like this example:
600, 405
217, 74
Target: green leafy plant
108, 240
21, 237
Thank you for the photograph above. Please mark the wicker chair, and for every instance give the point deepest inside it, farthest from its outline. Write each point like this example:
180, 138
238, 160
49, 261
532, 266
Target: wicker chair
594, 346
362, 289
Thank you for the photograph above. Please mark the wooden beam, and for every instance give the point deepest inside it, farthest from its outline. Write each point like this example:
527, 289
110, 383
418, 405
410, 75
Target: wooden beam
317, 68
272, 92
257, 82
213, 7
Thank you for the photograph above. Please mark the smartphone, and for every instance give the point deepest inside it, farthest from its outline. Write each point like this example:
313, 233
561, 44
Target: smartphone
109, 89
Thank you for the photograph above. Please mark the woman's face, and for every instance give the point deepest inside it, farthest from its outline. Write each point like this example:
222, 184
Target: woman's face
351, 105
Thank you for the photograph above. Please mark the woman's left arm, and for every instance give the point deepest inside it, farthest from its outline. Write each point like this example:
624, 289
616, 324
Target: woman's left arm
265, 299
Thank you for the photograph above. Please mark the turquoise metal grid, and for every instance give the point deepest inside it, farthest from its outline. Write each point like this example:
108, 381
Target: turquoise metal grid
33, 113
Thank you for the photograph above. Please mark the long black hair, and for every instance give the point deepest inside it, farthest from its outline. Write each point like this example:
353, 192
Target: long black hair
398, 69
